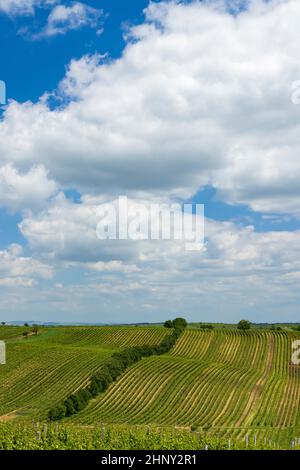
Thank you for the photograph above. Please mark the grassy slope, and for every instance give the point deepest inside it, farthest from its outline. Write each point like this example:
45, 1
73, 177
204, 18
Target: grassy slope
44, 369
226, 382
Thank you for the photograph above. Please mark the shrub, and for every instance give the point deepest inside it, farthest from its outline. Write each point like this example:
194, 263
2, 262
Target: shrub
244, 325
206, 326
180, 323
57, 413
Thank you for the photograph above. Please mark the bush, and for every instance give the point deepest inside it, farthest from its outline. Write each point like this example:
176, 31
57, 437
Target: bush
206, 326
69, 405
180, 323
57, 413
244, 325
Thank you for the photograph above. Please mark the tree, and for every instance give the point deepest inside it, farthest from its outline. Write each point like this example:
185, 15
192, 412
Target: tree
26, 324
244, 325
168, 324
179, 323
3, 323
57, 413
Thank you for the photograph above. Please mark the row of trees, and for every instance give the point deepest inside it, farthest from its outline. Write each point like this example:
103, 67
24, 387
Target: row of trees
111, 370
181, 323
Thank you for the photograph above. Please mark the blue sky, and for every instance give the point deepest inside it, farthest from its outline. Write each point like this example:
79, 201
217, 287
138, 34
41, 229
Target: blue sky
144, 104
31, 67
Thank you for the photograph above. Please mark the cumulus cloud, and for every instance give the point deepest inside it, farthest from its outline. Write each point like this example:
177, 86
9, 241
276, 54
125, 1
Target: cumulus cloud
198, 97
67, 231
18, 270
29, 190
238, 266
64, 18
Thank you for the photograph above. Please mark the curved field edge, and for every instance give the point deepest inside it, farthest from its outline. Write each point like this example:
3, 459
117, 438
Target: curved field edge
44, 369
221, 382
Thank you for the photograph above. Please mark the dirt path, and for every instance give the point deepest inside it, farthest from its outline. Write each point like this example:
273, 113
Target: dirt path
8, 417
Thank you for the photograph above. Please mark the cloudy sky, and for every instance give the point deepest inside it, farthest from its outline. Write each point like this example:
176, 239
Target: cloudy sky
193, 101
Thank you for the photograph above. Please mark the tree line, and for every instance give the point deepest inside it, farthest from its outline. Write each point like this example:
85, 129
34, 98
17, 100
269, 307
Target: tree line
111, 371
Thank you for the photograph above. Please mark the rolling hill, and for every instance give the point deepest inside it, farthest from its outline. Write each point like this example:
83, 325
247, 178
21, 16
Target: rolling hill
225, 383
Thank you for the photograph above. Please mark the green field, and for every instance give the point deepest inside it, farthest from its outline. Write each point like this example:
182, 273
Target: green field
221, 384
43, 369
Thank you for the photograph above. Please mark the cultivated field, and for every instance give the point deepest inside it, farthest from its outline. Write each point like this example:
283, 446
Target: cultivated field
44, 369
224, 384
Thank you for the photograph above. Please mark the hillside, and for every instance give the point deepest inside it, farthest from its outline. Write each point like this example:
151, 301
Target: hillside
43, 369
226, 383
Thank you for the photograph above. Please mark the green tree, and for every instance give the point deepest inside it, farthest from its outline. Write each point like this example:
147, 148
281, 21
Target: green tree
57, 413
179, 323
244, 325
168, 324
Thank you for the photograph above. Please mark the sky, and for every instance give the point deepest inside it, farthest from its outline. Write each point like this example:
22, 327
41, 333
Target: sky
166, 102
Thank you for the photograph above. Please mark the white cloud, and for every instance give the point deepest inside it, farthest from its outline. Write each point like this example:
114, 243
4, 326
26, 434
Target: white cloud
29, 190
61, 19
112, 266
23, 7
18, 270
64, 18
245, 271
67, 232
198, 97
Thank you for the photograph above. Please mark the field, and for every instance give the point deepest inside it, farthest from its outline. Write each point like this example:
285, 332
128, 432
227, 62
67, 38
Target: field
43, 369
222, 384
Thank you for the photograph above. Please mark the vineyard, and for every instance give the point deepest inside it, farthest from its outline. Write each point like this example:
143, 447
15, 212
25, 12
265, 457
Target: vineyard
43, 369
224, 383
214, 386
116, 437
